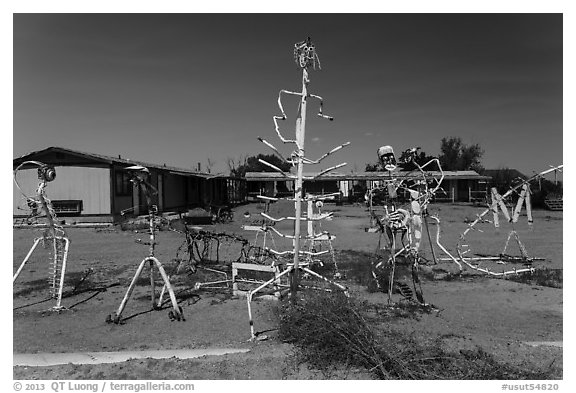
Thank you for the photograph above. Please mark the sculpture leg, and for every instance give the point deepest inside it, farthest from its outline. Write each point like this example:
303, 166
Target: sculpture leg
152, 285
161, 297
393, 263
251, 321
36, 241
430, 239
178, 314
63, 271
342, 287
251, 293
129, 291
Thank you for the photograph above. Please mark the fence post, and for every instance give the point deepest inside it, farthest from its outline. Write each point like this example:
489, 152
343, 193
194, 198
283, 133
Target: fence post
234, 282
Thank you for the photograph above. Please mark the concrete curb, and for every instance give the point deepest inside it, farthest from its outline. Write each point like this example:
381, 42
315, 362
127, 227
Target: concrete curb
52, 359
557, 344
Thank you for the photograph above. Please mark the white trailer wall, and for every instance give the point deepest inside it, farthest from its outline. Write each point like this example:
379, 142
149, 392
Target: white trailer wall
91, 185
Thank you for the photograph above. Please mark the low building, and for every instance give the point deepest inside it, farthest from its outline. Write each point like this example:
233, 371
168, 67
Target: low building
94, 187
458, 186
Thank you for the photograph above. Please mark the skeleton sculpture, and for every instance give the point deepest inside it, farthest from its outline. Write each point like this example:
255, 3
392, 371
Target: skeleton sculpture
306, 57
139, 176
497, 204
403, 223
54, 236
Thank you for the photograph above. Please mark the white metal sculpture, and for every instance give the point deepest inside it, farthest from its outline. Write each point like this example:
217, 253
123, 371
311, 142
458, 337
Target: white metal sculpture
306, 57
317, 239
139, 176
264, 235
404, 223
497, 205
54, 236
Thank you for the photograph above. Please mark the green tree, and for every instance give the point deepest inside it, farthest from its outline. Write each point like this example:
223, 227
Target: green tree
455, 155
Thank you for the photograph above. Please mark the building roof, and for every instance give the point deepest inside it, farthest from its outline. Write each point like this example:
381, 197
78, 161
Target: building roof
448, 175
509, 172
93, 157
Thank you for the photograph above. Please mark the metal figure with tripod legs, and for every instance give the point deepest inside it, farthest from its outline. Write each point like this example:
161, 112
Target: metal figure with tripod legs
139, 175
54, 235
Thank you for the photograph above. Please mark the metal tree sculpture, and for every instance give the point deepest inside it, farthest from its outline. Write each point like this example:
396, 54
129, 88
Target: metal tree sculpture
54, 235
306, 57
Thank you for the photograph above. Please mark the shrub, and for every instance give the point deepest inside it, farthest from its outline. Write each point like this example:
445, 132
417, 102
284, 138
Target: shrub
330, 329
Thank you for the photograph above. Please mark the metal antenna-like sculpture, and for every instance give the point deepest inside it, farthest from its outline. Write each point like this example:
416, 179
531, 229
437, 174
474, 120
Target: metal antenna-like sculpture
498, 203
139, 175
306, 57
54, 235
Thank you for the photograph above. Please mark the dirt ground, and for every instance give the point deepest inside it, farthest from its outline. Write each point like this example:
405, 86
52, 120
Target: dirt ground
500, 316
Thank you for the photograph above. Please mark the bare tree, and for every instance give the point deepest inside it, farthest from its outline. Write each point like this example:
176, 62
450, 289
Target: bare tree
235, 165
209, 164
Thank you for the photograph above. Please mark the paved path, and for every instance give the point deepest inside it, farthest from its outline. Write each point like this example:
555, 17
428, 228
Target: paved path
545, 343
52, 359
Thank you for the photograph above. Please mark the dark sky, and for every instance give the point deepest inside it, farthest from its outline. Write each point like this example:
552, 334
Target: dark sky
182, 88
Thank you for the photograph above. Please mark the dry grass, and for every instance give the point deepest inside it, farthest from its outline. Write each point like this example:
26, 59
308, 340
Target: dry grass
331, 330
542, 277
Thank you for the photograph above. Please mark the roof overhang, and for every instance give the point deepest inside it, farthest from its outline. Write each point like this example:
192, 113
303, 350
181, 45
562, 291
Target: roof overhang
370, 176
78, 158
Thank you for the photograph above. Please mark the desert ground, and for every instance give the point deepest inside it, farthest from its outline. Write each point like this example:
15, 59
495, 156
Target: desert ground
514, 321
